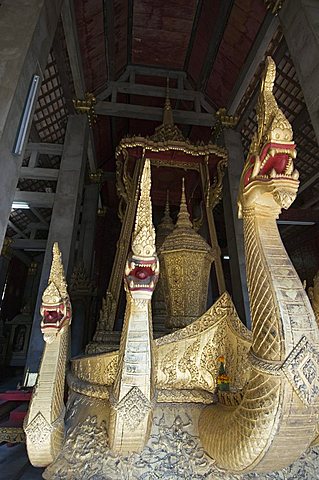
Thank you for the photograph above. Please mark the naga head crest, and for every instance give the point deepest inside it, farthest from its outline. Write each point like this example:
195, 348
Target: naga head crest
143, 238
142, 268
269, 178
55, 308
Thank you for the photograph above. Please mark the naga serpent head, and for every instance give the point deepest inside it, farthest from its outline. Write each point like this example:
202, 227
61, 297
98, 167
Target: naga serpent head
141, 275
55, 311
269, 178
55, 307
142, 266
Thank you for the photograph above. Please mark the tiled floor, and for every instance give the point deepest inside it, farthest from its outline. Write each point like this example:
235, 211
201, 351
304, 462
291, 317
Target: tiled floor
15, 465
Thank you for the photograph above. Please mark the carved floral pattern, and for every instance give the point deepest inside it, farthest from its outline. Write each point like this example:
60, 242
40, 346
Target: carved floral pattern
173, 452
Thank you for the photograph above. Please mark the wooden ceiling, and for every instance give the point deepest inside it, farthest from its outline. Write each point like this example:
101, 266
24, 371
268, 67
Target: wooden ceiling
209, 40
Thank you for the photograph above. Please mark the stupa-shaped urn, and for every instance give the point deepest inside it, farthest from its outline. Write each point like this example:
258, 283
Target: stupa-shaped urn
186, 260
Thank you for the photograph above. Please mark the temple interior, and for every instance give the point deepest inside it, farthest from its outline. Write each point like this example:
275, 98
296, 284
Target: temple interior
116, 115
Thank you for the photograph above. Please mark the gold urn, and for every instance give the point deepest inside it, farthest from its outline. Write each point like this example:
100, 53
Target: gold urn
186, 261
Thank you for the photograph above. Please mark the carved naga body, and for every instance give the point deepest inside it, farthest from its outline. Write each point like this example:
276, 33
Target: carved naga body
282, 393
274, 370
133, 389
44, 424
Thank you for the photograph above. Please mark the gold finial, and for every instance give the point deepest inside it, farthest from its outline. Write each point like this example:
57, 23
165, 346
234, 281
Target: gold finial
101, 212
183, 219
166, 222
168, 130
167, 219
97, 177
57, 286
168, 113
86, 105
165, 227
226, 120
143, 238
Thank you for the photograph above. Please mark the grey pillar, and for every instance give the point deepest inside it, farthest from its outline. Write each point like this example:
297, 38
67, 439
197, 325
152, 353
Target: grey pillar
300, 24
27, 28
64, 220
88, 225
234, 227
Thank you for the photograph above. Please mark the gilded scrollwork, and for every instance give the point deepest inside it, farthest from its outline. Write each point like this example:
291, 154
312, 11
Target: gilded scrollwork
216, 188
86, 454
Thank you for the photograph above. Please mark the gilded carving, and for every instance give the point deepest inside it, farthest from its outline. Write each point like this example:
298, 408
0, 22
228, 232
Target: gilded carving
86, 105
301, 369
186, 259
133, 408
133, 388
152, 410
173, 451
216, 188
44, 425
282, 389
38, 430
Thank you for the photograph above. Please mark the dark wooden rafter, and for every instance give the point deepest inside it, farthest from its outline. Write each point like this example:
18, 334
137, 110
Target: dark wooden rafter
61, 62
109, 31
72, 43
142, 112
193, 34
213, 47
73, 48
129, 31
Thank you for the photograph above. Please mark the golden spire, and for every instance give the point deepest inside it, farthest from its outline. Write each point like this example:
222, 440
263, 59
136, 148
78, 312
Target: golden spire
167, 219
143, 238
168, 130
183, 219
165, 227
57, 287
168, 113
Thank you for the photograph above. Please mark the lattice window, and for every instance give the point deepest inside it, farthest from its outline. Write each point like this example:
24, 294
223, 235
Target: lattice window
20, 219
29, 185
45, 213
51, 113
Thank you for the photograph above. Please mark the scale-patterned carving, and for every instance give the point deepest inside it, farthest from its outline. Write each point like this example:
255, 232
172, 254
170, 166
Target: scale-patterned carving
301, 369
